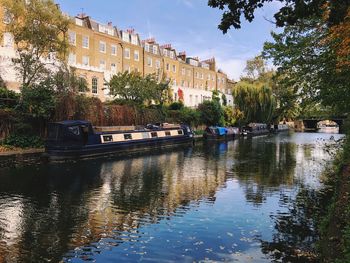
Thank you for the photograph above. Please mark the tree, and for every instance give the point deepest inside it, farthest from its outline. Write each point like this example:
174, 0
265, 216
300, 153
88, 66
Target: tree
211, 113
289, 14
307, 65
255, 68
256, 101
38, 101
39, 30
132, 87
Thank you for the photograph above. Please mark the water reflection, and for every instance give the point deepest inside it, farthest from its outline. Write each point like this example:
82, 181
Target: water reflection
217, 201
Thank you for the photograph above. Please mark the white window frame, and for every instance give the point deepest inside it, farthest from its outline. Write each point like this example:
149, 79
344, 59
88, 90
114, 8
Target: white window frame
155, 49
127, 53
102, 46
183, 71
136, 55
157, 64
115, 48
88, 60
149, 61
94, 84
114, 68
72, 36
88, 42
174, 68
134, 40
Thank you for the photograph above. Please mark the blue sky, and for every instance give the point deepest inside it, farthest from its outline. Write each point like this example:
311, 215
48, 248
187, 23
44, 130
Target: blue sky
189, 25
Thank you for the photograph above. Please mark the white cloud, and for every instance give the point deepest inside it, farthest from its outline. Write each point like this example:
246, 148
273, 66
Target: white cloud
232, 67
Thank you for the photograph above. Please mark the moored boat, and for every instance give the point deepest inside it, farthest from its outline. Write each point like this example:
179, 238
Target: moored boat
277, 128
78, 139
221, 133
255, 129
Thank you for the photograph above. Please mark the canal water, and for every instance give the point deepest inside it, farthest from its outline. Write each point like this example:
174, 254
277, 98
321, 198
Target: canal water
247, 200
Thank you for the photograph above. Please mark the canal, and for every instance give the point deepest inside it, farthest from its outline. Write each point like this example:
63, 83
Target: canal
248, 200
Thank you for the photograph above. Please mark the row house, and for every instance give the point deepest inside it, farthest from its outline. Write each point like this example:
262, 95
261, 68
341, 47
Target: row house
99, 51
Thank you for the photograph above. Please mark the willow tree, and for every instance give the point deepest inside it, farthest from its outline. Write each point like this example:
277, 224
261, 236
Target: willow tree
39, 31
255, 100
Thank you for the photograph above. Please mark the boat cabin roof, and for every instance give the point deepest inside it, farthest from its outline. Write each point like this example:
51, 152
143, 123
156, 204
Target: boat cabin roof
72, 122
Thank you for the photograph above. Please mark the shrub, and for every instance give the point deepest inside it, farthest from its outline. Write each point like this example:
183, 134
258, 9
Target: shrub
8, 98
211, 113
23, 141
176, 106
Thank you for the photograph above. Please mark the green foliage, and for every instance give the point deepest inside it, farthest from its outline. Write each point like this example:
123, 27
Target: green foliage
134, 88
38, 28
224, 99
177, 105
189, 116
38, 101
229, 115
290, 12
23, 141
8, 99
307, 66
211, 113
256, 101
65, 80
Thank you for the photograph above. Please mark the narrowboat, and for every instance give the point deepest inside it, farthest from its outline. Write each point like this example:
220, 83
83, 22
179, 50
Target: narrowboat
277, 128
255, 129
220, 133
78, 139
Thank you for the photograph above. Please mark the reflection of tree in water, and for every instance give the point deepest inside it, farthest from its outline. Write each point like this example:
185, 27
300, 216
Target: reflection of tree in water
295, 233
263, 167
75, 205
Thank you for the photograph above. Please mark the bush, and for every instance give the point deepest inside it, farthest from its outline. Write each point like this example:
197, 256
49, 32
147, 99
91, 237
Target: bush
23, 141
8, 99
176, 106
211, 113
189, 116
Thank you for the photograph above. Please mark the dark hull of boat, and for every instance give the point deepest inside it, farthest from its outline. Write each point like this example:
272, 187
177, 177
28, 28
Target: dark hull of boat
255, 133
226, 137
115, 149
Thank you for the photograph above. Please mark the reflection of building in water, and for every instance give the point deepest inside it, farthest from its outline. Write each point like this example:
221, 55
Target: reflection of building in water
145, 190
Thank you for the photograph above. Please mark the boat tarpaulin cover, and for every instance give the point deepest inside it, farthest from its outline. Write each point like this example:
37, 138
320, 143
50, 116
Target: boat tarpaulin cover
222, 130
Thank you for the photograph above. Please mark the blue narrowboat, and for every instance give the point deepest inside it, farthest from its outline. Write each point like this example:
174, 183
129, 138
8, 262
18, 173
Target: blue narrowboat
220, 133
78, 139
255, 129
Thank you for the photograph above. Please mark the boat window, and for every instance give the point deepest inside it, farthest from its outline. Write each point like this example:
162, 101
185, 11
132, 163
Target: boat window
74, 129
167, 133
145, 135
154, 134
127, 136
107, 138
179, 132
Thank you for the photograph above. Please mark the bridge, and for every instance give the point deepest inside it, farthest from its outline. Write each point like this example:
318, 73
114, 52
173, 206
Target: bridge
310, 123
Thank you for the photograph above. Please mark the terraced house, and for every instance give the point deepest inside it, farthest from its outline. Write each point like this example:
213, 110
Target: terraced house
99, 51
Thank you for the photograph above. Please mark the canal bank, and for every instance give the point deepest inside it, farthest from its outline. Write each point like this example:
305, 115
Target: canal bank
334, 226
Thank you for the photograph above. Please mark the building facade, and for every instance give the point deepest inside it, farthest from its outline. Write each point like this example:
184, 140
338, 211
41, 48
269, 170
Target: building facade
99, 51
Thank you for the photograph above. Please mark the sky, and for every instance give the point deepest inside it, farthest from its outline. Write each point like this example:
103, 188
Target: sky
188, 25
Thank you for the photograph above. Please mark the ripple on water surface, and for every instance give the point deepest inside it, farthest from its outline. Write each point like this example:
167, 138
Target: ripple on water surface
221, 202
